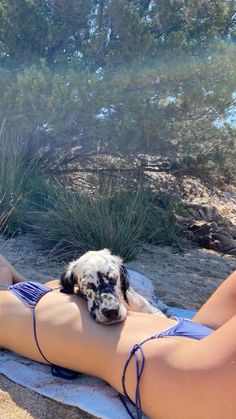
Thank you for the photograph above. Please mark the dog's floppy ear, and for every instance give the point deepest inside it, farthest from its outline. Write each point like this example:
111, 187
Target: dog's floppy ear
124, 281
68, 282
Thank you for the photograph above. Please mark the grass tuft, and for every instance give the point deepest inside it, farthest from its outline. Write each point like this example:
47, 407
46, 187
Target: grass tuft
68, 222
119, 220
22, 186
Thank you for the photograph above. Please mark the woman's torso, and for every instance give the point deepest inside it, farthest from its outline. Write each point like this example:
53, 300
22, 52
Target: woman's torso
70, 338
59, 315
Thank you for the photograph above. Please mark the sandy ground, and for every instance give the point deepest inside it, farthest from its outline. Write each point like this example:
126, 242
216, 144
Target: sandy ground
16, 402
180, 279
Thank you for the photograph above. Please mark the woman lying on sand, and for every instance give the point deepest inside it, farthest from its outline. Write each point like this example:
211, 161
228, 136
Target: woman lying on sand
189, 370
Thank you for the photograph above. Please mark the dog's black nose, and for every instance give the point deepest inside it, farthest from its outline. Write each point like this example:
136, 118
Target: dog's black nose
110, 313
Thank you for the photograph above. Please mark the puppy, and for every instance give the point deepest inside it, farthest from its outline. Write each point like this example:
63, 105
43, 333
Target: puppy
102, 279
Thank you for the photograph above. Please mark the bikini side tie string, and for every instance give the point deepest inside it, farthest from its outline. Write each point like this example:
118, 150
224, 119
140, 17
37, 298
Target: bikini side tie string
139, 370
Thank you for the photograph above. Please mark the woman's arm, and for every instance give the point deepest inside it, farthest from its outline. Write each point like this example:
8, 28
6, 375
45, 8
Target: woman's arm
221, 306
16, 276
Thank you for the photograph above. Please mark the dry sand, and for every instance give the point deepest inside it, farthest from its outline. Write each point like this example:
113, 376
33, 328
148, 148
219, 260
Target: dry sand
17, 402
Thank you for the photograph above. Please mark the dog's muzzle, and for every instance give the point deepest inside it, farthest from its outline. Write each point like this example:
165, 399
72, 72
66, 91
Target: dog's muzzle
106, 307
109, 307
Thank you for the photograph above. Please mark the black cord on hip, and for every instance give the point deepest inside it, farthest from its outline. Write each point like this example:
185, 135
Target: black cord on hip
55, 369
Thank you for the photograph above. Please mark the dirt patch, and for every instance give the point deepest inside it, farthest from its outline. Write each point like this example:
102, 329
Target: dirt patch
17, 402
183, 279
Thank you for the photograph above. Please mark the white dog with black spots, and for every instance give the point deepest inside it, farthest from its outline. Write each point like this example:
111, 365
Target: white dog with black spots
102, 279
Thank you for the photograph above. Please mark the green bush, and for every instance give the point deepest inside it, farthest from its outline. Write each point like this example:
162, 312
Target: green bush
119, 220
161, 227
67, 222
22, 186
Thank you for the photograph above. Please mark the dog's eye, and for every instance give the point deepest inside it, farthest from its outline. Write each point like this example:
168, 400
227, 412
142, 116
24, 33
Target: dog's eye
91, 286
113, 281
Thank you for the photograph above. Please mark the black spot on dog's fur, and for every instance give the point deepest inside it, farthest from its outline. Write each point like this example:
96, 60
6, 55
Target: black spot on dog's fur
101, 278
92, 310
92, 286
104, 285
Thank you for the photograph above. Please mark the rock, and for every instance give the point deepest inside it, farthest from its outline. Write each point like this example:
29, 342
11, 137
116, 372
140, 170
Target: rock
209, 229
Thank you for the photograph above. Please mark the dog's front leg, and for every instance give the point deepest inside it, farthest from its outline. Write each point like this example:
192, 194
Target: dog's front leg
137, 302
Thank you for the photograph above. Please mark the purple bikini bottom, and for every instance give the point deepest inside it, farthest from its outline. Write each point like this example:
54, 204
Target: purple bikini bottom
182, 328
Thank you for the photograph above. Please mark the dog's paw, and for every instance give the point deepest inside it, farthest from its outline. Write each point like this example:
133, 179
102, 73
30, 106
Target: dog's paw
67, 282
67, 290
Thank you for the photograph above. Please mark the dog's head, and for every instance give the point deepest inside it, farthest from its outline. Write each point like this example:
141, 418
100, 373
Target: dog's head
103, 281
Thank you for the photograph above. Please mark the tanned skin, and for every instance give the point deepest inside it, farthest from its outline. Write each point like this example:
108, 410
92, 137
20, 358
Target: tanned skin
182, 379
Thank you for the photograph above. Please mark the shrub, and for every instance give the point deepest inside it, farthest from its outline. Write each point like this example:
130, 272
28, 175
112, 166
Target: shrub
22, 186
119, 220
161, 227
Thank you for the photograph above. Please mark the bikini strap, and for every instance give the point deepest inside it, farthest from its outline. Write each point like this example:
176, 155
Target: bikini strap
36, 337
55, 369
139, 370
